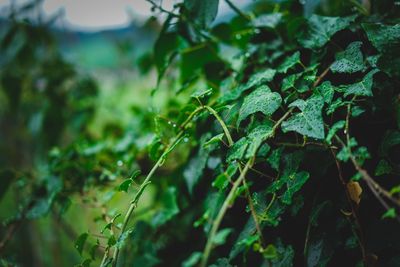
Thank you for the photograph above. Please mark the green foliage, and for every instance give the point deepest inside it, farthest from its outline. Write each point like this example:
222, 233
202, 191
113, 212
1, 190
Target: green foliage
262, 140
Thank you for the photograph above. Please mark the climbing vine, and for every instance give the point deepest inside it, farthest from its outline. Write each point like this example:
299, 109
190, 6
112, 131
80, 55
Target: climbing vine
279, 147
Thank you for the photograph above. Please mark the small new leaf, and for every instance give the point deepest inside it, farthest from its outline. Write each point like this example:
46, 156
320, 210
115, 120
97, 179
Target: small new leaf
80, 242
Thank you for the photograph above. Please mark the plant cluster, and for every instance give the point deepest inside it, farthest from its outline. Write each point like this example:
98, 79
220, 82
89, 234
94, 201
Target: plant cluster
280, 149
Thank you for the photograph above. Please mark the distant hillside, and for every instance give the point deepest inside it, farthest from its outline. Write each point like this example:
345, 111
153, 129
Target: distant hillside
107, 49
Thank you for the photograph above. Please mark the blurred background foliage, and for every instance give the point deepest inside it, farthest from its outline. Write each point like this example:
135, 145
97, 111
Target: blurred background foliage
80, 112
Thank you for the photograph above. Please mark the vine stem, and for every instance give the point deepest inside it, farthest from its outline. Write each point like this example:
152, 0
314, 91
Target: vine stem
159, 162
222, 211
248, 194
228, 199
146, 181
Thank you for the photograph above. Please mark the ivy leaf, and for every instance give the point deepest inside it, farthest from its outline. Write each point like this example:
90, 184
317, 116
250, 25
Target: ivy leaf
165, 49
326, 90
332, 131
275, 158
80, 242
390, 140
220, 237
321, 29
124, 186
202, 93
193, 259
222, 180
194, 59
309, 121
261, 100
257, 79
260, 78
349, 61
383, 37
289, 62
383, 167
170, 207
362, 88
390, 213
319, 251
203, 12
257, 136
290, 81
294, 184
236, 152
196, 165
214, 140
285, 255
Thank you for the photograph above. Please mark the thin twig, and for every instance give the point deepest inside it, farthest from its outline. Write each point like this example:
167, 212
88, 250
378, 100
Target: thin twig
360, 235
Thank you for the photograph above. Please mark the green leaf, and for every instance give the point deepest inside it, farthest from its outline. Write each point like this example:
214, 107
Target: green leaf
260, 100
214, 140
203, 12
270, 252
236, 152
275, 158
170, 207
6, 177
124, 186
319, 251
80, 242
290, 81
222, 180
344, 154
257, 79
309, 121
194, 59
389, 140
111, 241
257, 136
390, 213
326, 90
294, 184
383, 37
193, 259
321, 29
383, 167
196, 164
289, 62
362, 88
285, 255
202, 93
165, 49
260, 77
333, 130
349, 61
221, 236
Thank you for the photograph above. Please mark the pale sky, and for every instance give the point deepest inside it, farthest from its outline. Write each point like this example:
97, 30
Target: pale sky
103, 14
